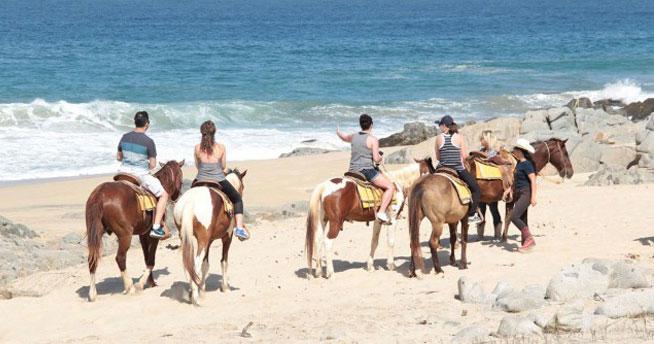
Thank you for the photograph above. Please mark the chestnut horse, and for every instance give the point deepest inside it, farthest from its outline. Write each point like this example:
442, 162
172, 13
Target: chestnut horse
201, 218
336, 201
433, 196
112, 207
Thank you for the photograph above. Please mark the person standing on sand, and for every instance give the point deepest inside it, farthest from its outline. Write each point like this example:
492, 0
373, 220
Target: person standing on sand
211, 161
138, 155
525, 190
365, 154
488, 144
450, 151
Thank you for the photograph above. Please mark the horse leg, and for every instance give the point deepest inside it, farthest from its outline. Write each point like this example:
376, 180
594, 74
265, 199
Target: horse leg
376, 229
334, 228
452, 243
227, 241
121, 259
205, 270
390, 240
147, 273
201, 241
464, 243
434, 243
318, 248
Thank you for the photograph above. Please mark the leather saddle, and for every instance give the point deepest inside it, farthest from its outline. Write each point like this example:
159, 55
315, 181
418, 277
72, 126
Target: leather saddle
356, 175
207, 183
127, 178
449, 171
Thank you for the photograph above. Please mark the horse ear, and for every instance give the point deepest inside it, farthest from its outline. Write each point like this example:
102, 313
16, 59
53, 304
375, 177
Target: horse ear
244, 173
564, 141
161, 164
181, 163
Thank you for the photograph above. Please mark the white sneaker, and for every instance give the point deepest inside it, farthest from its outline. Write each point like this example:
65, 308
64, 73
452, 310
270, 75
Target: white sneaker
474, 219
383, 218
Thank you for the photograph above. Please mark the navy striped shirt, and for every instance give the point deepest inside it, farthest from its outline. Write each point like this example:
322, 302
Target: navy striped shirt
450, 155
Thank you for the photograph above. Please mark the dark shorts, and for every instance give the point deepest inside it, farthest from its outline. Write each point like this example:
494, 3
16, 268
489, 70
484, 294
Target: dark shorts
370, 173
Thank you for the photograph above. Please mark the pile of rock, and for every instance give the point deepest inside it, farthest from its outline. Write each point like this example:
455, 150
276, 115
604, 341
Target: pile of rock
413, 133
303, 151
615, 289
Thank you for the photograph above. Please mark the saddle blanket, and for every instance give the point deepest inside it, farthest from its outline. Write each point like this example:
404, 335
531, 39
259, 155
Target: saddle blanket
369, 194
145, 200
462, 190
487, 171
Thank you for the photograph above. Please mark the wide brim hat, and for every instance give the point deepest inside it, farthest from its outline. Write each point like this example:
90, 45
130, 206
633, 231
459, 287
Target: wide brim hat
524, 145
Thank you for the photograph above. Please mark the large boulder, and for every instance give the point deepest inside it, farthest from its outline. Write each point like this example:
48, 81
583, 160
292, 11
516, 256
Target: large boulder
586, 155
471, 334
531, 297
617, 155
518, 327
472, 292
577, 281
413, 133
303, 151
9, 229
402, 156
627, 275
640, 110
645, 144
620, 175
535, 120
562, 118
582, 102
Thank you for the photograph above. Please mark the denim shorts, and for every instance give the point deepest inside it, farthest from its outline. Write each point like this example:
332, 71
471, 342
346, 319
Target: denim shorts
370, 173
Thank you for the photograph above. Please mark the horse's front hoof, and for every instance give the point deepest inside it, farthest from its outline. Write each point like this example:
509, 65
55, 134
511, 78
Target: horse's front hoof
504, 239
93, 295
370, 266
195, 299
128, 290
390, 266
224, 288
463, 266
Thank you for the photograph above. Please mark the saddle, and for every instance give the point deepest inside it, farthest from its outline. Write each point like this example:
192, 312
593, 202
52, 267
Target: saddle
218, 189
492, 170
145, 199
462, 189
369, 195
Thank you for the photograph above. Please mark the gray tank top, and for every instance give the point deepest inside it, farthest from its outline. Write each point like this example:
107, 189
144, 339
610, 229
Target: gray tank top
361, 158
210, 172
450, 154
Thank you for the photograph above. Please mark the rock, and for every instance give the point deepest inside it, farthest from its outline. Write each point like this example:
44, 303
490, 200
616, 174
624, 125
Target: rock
561, 119
531, 297
582, 102
543, 318
645, 144
576, 281
303, 151
502, 289
535, 120
569, 318
619, 175
402, 156
640, 110
597, 323
625, 275
471, 334
472, 292
15, 230
632, 304
413, 133
606, 103
518, 327
617, 155
585, 157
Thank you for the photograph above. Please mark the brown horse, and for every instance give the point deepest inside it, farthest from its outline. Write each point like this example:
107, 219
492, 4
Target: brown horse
433, 196
112, 207
336, 201
201, 218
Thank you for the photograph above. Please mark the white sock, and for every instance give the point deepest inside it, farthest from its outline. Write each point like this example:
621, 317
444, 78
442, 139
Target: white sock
156, 226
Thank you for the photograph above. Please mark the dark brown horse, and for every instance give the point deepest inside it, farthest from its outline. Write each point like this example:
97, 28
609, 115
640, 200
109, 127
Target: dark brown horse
201, 218
335, 201
112, 207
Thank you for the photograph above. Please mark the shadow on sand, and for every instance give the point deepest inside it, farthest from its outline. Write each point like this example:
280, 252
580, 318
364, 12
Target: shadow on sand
179, 291
646, 241
114, 285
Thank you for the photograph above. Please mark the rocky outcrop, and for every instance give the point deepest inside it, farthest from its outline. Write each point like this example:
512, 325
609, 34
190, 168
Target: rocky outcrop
302, 151
582, 102
640, 110
618, 175
413, 133
402, 156
645, 144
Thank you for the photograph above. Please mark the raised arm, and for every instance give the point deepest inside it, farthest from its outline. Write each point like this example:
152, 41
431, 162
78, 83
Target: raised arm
342, 136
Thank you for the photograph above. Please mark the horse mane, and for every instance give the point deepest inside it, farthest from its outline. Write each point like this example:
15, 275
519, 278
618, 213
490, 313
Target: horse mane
169, 181
406, 175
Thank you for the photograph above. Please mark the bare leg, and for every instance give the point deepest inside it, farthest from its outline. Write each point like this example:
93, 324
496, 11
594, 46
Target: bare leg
389, 189
227, 241
161, 208
376, 229
121, 259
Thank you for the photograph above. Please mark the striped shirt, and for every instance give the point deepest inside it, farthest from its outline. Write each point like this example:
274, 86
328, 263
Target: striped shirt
137, 148
450, 154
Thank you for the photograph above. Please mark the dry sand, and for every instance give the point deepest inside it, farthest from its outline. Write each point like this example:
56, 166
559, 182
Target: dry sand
267, 273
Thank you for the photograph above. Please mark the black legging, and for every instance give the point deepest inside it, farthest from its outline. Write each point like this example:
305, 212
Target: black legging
522, 200
497, 218
233, 195
474, 189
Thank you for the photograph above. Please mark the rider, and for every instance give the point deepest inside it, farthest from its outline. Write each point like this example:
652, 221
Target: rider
451, 152
138, 155
525, 190
211, 160
488, 143
365, 154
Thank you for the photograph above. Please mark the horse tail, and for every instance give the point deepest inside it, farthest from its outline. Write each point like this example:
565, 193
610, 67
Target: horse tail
312, 219
415, 217
94, 229
188, 243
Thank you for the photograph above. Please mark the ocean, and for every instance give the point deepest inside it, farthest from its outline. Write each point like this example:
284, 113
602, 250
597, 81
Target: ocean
272, 74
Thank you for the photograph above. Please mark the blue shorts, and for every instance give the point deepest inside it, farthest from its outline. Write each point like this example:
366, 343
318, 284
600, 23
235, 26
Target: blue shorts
370, 173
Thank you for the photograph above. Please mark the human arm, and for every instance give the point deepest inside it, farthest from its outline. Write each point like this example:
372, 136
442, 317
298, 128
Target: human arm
374, 145
464, 147
342, 136
223, 158
437, 151
152, 155
196, 156
532, 179
119, 154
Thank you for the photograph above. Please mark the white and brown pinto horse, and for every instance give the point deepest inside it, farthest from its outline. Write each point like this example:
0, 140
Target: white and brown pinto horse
201, 218
336, 201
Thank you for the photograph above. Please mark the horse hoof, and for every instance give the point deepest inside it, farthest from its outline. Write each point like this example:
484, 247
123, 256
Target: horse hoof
370, 267
139, 286
390, 266
92, 297
224, 288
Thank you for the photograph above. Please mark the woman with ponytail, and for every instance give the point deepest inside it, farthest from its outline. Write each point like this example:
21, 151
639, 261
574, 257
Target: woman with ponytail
211, 161
524, 189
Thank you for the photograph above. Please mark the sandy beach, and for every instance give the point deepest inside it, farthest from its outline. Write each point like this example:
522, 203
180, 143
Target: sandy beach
269, 288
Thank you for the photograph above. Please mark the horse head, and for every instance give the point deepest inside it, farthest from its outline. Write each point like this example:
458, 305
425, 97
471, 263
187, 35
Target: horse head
235, 177
426, 165
559, 157
171, 177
